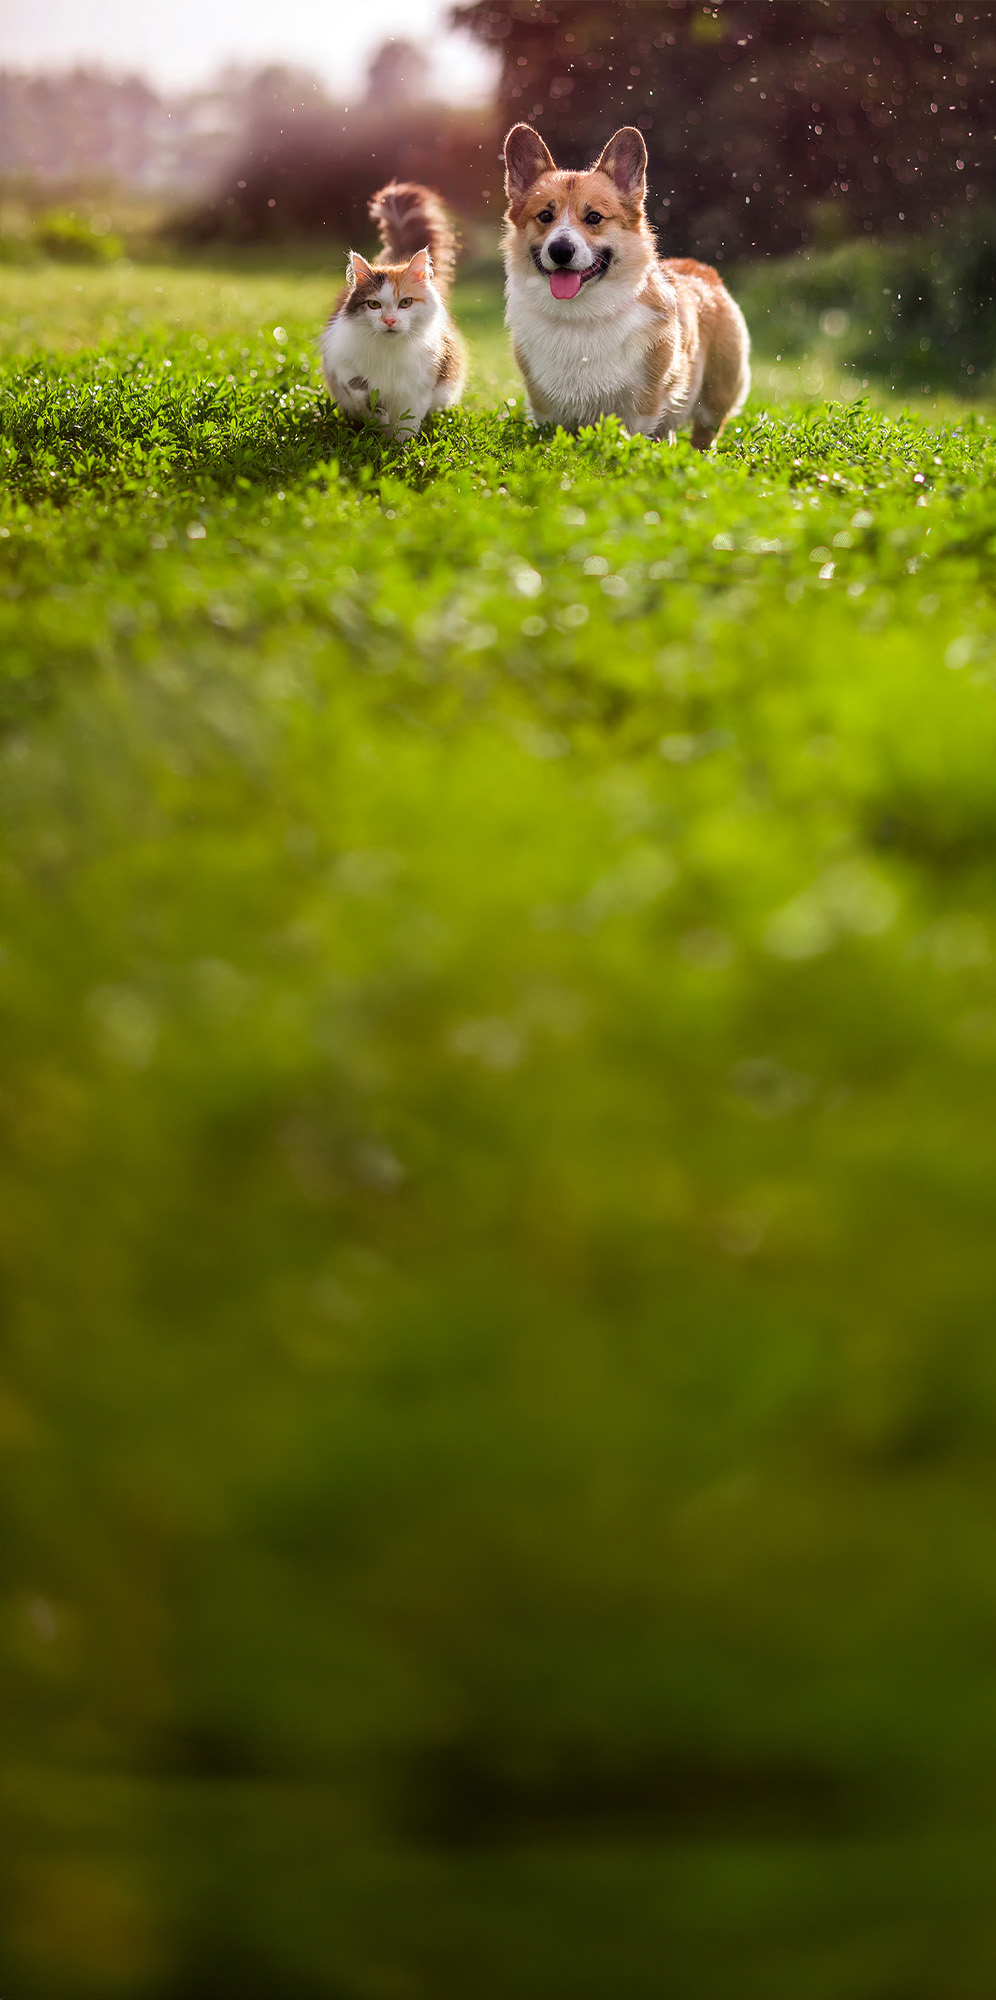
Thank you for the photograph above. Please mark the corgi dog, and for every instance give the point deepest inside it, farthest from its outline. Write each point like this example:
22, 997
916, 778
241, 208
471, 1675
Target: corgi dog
390, 349
599, 322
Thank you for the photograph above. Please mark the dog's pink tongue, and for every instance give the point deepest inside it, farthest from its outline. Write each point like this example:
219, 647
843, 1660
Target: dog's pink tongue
565, 284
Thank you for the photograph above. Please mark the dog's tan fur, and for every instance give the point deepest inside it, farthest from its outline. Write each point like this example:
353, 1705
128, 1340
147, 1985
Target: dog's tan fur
657, 341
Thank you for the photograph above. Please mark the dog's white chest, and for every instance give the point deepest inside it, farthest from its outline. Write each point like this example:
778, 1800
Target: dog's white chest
580, 367
583, 367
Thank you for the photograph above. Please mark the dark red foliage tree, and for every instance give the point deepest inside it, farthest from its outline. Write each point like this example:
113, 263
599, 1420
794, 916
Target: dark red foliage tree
770, 123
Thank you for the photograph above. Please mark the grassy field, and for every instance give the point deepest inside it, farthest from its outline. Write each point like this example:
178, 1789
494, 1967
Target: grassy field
499, 991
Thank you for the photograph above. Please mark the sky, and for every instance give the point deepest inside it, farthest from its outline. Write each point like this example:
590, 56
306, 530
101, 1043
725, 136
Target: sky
179, 43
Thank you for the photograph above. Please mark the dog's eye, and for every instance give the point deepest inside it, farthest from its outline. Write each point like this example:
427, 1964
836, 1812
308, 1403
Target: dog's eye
406, 302
593, 217
545, 215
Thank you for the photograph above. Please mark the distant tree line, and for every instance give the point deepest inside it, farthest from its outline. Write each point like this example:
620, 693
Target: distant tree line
307, 167
81, 127
255, 155
769, 123
313, 175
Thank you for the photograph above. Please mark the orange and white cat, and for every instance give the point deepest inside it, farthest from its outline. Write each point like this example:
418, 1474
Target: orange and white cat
390, 349
599, 322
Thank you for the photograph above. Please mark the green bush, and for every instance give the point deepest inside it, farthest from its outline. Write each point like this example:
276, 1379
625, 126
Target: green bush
76, 239
919, 314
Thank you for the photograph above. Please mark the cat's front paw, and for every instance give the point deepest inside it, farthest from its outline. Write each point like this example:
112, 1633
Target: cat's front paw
352, 397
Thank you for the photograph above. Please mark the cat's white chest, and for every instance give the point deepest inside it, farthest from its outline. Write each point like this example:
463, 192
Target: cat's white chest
399, 368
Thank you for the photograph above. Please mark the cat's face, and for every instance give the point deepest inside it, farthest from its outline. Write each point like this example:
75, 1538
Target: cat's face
392, 300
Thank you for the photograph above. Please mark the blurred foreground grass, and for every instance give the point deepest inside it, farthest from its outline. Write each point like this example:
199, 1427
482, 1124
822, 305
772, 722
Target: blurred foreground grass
500, 1023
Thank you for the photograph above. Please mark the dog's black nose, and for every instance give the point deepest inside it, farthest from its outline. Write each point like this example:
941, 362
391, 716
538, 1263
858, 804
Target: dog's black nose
561, 249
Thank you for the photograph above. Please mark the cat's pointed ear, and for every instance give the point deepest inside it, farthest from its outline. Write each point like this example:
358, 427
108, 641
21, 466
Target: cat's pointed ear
420, 268
526, 158
625, 162
359, 270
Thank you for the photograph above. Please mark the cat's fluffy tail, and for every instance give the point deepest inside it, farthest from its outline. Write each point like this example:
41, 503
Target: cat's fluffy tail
410, 217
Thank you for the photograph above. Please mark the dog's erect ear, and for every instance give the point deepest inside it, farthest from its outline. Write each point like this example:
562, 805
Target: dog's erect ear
625, 162
359, 269
420, 267
526, 158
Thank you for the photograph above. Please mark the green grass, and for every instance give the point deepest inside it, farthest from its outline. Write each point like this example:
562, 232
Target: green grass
500, 1043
